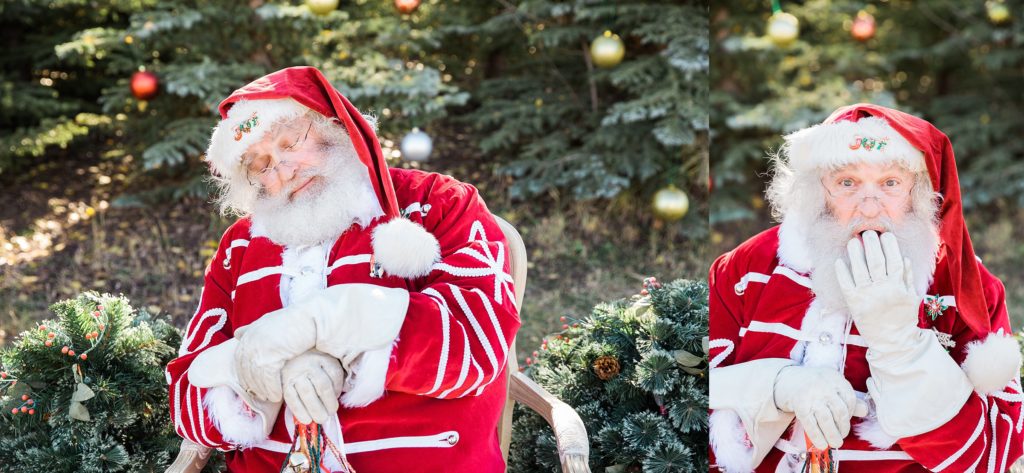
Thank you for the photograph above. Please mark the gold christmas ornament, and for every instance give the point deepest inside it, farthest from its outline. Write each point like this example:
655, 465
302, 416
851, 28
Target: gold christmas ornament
671, 203
607, 50
998, 12
783, 29
606, 367
322, 7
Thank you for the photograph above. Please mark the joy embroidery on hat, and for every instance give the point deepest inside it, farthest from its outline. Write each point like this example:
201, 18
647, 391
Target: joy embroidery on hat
868, 143
246, 126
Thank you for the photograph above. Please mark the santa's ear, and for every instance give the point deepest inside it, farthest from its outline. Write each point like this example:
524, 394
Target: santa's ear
405, 249
991, 364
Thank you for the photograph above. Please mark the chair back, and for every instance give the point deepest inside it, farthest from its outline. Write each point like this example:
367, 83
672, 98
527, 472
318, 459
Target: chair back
517, 256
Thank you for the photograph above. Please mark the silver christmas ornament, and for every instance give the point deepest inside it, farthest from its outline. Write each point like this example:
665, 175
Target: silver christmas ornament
417, 145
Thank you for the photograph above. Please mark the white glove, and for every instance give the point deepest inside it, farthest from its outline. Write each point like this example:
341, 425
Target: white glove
312, 384
340, 321
822, 400
915, 384
880, 292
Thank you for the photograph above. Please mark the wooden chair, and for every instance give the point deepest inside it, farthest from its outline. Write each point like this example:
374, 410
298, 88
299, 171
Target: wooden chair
570, 433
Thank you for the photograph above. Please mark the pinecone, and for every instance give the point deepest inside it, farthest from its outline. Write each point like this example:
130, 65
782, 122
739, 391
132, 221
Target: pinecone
606, 367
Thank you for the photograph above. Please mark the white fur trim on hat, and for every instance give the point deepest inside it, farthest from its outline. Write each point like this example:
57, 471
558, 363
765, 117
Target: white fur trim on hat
991, 364
405, 249
870, 139
229, 141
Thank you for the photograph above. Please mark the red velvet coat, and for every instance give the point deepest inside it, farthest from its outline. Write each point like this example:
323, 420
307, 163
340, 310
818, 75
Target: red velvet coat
445, 387
757, 306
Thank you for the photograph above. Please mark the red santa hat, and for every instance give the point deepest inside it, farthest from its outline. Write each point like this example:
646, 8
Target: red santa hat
250, 111
871, 132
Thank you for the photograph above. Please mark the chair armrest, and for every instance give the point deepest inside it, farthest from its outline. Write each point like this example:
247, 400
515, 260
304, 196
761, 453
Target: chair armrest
570, 433
192, 457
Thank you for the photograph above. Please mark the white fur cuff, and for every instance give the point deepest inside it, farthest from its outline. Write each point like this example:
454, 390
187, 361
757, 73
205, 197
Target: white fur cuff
991, 364
405, 249
237, 423
733, 452
367, 375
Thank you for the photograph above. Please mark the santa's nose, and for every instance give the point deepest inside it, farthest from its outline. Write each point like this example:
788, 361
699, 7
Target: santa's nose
869, 208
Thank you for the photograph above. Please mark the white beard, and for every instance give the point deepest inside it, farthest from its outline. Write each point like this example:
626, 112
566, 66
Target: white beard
918, 240
340, 197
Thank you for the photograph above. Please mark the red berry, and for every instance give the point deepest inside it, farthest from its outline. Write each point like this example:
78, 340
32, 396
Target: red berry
535, 353
529, 360
3, 374
64, 350
24, 397
575, 325
42, 328
561, 319
24, 409
96, 314
102, 326
565, 326
31, 402
31, 412
82, 356
51, 335
644, 292
71, 353
48, 343
14, 411
94, 334
99, 307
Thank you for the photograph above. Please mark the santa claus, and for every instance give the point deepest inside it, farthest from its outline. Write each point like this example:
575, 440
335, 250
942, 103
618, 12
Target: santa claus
386, 288
862, 332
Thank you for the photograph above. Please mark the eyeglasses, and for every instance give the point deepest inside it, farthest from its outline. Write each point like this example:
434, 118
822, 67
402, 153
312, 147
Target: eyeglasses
258, 167
891, 192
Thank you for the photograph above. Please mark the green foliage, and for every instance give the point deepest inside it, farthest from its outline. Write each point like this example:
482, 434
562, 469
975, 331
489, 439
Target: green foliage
943, 60
65, 57
652, 415
128, 430
567, 125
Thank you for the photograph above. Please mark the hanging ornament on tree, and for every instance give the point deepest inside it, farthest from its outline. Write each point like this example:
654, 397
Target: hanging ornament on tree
322, 7
783, 28
998, 12
407, 6
144, 85
671, 203
417, 145
607, 50
863, 27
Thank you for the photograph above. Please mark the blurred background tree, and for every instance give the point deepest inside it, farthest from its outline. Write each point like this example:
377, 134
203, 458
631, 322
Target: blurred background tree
108, 106
955, 63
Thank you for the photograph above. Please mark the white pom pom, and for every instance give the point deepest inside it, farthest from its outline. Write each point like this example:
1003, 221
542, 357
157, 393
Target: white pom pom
993, 363
405, 249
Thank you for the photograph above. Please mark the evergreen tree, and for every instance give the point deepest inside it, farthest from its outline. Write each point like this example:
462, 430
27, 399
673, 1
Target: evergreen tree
955, 63
67, 67
636, 372
566, 124
85, 392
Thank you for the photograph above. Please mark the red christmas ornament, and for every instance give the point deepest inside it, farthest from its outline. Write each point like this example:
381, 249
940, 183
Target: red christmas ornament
407, 6
863, 26
145, 85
